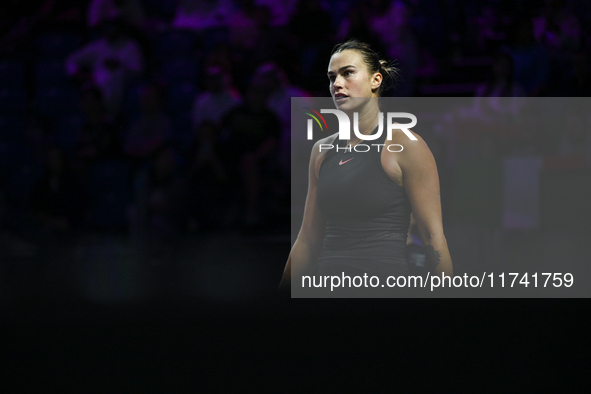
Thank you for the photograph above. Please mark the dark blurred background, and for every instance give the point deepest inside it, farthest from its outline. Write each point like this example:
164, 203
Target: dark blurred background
144, 144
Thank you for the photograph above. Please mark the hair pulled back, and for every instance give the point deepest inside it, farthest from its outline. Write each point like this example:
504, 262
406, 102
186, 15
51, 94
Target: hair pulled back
373, 62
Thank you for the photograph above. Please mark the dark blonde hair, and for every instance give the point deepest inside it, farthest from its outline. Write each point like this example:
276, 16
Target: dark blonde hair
373, 62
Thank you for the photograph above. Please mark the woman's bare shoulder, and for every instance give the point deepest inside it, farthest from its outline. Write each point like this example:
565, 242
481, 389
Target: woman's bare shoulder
316, 150
327, 140
408, 144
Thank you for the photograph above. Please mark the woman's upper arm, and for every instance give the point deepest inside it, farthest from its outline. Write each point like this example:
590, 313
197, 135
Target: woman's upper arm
421, 182
312, 229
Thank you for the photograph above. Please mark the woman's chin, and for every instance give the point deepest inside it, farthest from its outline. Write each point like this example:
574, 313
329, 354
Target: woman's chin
350, 104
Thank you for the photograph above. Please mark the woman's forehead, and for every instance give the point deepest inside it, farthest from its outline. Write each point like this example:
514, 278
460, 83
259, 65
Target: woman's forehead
345, 58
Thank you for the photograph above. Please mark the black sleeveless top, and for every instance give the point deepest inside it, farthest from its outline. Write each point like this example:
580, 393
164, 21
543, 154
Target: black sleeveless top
368, 214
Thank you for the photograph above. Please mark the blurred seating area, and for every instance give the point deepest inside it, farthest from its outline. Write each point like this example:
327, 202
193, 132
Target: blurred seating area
133, 103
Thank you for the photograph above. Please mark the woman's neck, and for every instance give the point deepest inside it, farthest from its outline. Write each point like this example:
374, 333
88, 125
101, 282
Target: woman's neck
368, 118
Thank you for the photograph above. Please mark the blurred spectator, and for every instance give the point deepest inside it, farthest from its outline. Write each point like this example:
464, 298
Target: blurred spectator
108, 62
219, 97
394, 30
253, 132
57, 198
273, 80
378, 7
557, 28
153, 128
244, 31
311, 42
489, 27
207, 180
220, 56
99, 137
310, 13
356, 25
281, 11
559, 31
502, 83
200, 15
433, 21
530, 59
129, 11
251, 37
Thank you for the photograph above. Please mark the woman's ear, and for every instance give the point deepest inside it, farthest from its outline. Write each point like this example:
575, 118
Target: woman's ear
376, 81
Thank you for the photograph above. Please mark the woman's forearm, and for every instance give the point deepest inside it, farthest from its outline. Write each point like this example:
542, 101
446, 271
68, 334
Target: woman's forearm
437, 254
300, 261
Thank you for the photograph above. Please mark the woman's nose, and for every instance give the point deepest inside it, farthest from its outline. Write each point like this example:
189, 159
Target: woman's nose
337, 82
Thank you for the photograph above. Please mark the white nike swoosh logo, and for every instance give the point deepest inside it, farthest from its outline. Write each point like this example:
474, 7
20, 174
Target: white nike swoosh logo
343, 162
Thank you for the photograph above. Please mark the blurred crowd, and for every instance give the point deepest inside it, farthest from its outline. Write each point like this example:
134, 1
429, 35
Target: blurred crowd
162, 117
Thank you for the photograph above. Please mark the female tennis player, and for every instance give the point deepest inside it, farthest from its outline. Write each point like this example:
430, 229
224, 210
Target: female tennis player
358, 206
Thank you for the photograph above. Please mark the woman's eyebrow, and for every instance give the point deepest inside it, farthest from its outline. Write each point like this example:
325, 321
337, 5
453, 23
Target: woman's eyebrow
340, 69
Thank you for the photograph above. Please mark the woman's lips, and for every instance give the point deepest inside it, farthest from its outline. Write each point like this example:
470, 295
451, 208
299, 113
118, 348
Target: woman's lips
340, 98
